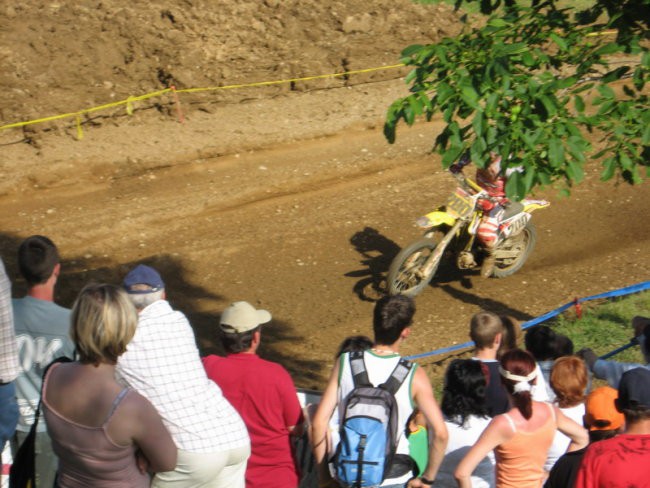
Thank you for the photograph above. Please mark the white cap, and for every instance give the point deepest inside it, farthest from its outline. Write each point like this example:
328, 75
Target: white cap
241, 317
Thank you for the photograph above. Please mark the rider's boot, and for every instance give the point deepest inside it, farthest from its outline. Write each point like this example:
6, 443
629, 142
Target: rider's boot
488, 263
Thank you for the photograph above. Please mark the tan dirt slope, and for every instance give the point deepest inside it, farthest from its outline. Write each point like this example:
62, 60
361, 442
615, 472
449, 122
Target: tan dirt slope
285, 196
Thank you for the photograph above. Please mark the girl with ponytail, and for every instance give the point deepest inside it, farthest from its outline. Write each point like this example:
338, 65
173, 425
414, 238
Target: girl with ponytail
520, 437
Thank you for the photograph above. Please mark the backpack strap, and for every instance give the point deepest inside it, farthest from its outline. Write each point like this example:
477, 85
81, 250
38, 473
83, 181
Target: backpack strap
358, 367
397, 377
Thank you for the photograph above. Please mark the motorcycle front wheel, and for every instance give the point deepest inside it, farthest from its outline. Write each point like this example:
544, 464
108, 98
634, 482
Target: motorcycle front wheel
514, 251
406, 275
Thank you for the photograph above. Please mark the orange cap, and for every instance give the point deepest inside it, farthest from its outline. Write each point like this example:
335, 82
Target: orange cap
600, 411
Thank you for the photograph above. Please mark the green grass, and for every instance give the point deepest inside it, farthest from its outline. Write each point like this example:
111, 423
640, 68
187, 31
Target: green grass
604, 326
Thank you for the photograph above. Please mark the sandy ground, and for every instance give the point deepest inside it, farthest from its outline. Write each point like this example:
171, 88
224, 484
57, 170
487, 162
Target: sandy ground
293, 201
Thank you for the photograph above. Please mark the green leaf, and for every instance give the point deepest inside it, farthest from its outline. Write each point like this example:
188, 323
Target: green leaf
478, 123
606, 92
610, 168
579, 103
549, 105
497, 22
625, 161
576, 170
411, 50
529, 178
576, 147
561, 43
645, 138
451, 155
516, 187
409, 115
444, 92
415, 104
491, 104
528, 59
410, 76
556, 152
615, 74
469, 96
609, 48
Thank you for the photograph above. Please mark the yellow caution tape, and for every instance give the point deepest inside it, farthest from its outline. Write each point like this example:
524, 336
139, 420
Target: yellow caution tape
129, 101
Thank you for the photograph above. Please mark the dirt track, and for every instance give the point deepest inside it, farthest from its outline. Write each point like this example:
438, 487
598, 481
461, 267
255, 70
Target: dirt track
296, 203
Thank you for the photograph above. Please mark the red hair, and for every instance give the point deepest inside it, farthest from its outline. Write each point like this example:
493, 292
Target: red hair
520, 363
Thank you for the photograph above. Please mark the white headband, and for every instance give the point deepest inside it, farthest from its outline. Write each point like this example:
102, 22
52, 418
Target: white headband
522, 383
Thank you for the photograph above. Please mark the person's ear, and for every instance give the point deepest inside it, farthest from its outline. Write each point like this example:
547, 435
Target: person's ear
406, 332
57, 270
498, 338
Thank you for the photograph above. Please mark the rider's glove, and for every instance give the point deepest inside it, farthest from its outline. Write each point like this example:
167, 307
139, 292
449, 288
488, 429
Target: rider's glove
458, 166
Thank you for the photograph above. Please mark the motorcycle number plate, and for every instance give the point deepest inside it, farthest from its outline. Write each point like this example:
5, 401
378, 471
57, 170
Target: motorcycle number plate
460, 204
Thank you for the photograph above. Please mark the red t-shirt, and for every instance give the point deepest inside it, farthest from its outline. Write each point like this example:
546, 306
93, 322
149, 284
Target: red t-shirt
264, 395
619, 462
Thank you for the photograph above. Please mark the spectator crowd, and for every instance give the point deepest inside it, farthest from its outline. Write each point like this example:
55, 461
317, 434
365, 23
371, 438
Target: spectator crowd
135, 405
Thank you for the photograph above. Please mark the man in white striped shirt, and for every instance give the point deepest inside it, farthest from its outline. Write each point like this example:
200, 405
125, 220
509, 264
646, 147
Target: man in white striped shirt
8, 363
163, 364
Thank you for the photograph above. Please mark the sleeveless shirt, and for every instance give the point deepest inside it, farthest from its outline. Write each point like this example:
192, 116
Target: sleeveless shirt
520, 460
87, 455
379, 369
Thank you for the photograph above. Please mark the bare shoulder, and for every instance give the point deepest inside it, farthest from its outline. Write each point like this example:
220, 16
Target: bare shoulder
135, 404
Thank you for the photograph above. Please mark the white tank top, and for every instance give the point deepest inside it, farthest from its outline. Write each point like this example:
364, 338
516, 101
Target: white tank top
379, 369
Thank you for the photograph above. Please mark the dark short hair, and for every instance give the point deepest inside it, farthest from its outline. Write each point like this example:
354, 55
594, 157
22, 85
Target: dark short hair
635, 414
601, 435
392, 314
234, 342
354, 343
540, 341
464, 391
37, 257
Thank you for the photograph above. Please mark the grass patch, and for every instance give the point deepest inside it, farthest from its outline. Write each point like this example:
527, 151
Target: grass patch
606, 325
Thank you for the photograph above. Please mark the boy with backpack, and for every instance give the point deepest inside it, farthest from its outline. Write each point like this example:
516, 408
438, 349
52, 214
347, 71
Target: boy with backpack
375, 392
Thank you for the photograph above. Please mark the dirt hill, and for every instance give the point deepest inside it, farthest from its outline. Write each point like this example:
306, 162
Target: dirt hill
287, 196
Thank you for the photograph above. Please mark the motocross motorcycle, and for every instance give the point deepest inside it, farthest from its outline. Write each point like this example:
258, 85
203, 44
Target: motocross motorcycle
450, 233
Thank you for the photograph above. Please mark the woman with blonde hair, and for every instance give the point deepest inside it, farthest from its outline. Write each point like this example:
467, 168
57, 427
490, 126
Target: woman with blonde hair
521, 437
103, 434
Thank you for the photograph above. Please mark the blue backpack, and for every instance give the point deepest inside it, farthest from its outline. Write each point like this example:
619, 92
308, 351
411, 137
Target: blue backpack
369, 427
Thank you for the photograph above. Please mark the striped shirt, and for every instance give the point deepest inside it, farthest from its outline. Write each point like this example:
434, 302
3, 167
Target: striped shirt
163, 364
8, 349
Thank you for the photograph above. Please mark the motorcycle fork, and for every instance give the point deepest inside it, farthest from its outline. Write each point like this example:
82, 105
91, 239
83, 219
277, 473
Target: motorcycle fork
435, 256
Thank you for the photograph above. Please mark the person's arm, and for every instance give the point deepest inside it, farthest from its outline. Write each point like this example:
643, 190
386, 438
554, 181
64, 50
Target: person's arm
8, 348
497, 432
320, 421
291, 409
578, 434
152, 437
426, 403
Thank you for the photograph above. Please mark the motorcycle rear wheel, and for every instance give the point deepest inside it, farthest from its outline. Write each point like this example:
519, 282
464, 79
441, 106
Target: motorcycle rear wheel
521, 245
405, 275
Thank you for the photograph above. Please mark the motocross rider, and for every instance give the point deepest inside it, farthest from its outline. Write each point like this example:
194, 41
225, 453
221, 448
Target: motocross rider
493, 180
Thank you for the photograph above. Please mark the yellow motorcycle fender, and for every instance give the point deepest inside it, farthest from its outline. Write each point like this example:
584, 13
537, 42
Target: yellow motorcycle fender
435, 219
531, 205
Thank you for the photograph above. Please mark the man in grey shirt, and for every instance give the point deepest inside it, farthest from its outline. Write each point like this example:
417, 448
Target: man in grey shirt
42, 335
